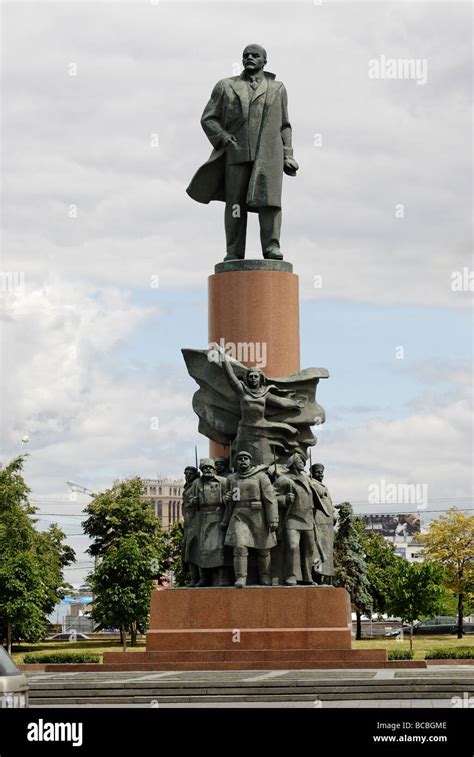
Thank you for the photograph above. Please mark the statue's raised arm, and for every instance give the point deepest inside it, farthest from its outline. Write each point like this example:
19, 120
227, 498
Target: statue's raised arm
234, 382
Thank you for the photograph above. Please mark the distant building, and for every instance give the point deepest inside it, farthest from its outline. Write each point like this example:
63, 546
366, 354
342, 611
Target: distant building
165, 497
398, 529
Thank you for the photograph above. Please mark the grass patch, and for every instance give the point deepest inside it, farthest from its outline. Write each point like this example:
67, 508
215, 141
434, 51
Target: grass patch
58, 647
421, 644
61, 658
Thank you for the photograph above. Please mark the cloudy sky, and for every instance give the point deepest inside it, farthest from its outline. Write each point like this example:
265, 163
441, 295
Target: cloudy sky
100, 136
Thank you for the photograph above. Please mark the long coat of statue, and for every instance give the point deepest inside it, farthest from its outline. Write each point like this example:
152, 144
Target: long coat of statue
228, 111
324, 522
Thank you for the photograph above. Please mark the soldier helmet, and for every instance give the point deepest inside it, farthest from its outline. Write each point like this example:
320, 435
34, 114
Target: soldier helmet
242, 453
292, 460
207, 461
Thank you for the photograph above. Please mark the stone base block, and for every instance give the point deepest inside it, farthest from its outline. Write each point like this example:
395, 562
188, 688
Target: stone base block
249, 638
256, 628
259, 608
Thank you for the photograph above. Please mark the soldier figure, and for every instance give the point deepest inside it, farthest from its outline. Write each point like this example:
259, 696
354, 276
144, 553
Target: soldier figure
252, 515
190, 551
296, 496
222, 466
207, 495
324, 522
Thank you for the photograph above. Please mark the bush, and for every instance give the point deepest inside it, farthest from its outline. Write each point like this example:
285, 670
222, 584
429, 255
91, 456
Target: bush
61, 658
400, 654
451, 653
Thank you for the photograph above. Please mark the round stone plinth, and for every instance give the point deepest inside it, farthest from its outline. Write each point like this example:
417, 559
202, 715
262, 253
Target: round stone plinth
254, 317
253, 265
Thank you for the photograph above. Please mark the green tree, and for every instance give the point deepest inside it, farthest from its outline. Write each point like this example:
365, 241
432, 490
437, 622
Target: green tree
381, 560
16, 525
116, 515
122, 587
416, 592
31, 561
173, 554
22, 597
351, 564
450, 543
119, 512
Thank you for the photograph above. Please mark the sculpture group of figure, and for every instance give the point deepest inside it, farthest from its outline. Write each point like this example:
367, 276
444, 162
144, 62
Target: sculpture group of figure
279, 515
256, 517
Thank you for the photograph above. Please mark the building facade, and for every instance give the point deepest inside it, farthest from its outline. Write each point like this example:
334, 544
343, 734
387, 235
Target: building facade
165, 497
399, 529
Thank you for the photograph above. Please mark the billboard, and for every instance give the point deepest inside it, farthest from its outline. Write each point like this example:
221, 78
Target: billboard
395, 526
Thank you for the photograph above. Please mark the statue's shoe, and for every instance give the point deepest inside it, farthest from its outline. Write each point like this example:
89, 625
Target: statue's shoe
241, 582
265, 581
291, 581
231, 257
273, 254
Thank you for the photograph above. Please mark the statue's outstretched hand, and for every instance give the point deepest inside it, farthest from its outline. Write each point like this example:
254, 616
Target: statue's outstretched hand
290, 166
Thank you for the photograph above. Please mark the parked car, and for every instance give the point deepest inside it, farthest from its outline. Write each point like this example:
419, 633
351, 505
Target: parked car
443, 624
13, 684
70, 636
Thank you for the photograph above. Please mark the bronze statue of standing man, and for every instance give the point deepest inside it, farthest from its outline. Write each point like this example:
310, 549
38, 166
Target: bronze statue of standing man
246, 121
324, 522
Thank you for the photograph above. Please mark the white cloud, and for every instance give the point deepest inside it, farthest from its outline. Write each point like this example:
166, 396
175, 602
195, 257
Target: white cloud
148, 69
432, 444
85, 140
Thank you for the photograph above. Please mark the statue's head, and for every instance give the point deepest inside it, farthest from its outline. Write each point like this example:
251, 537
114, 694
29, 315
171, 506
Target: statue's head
244, 461
208, 468
190, 474
254, 58
317, 471
296, 462
222, 465
255, 377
